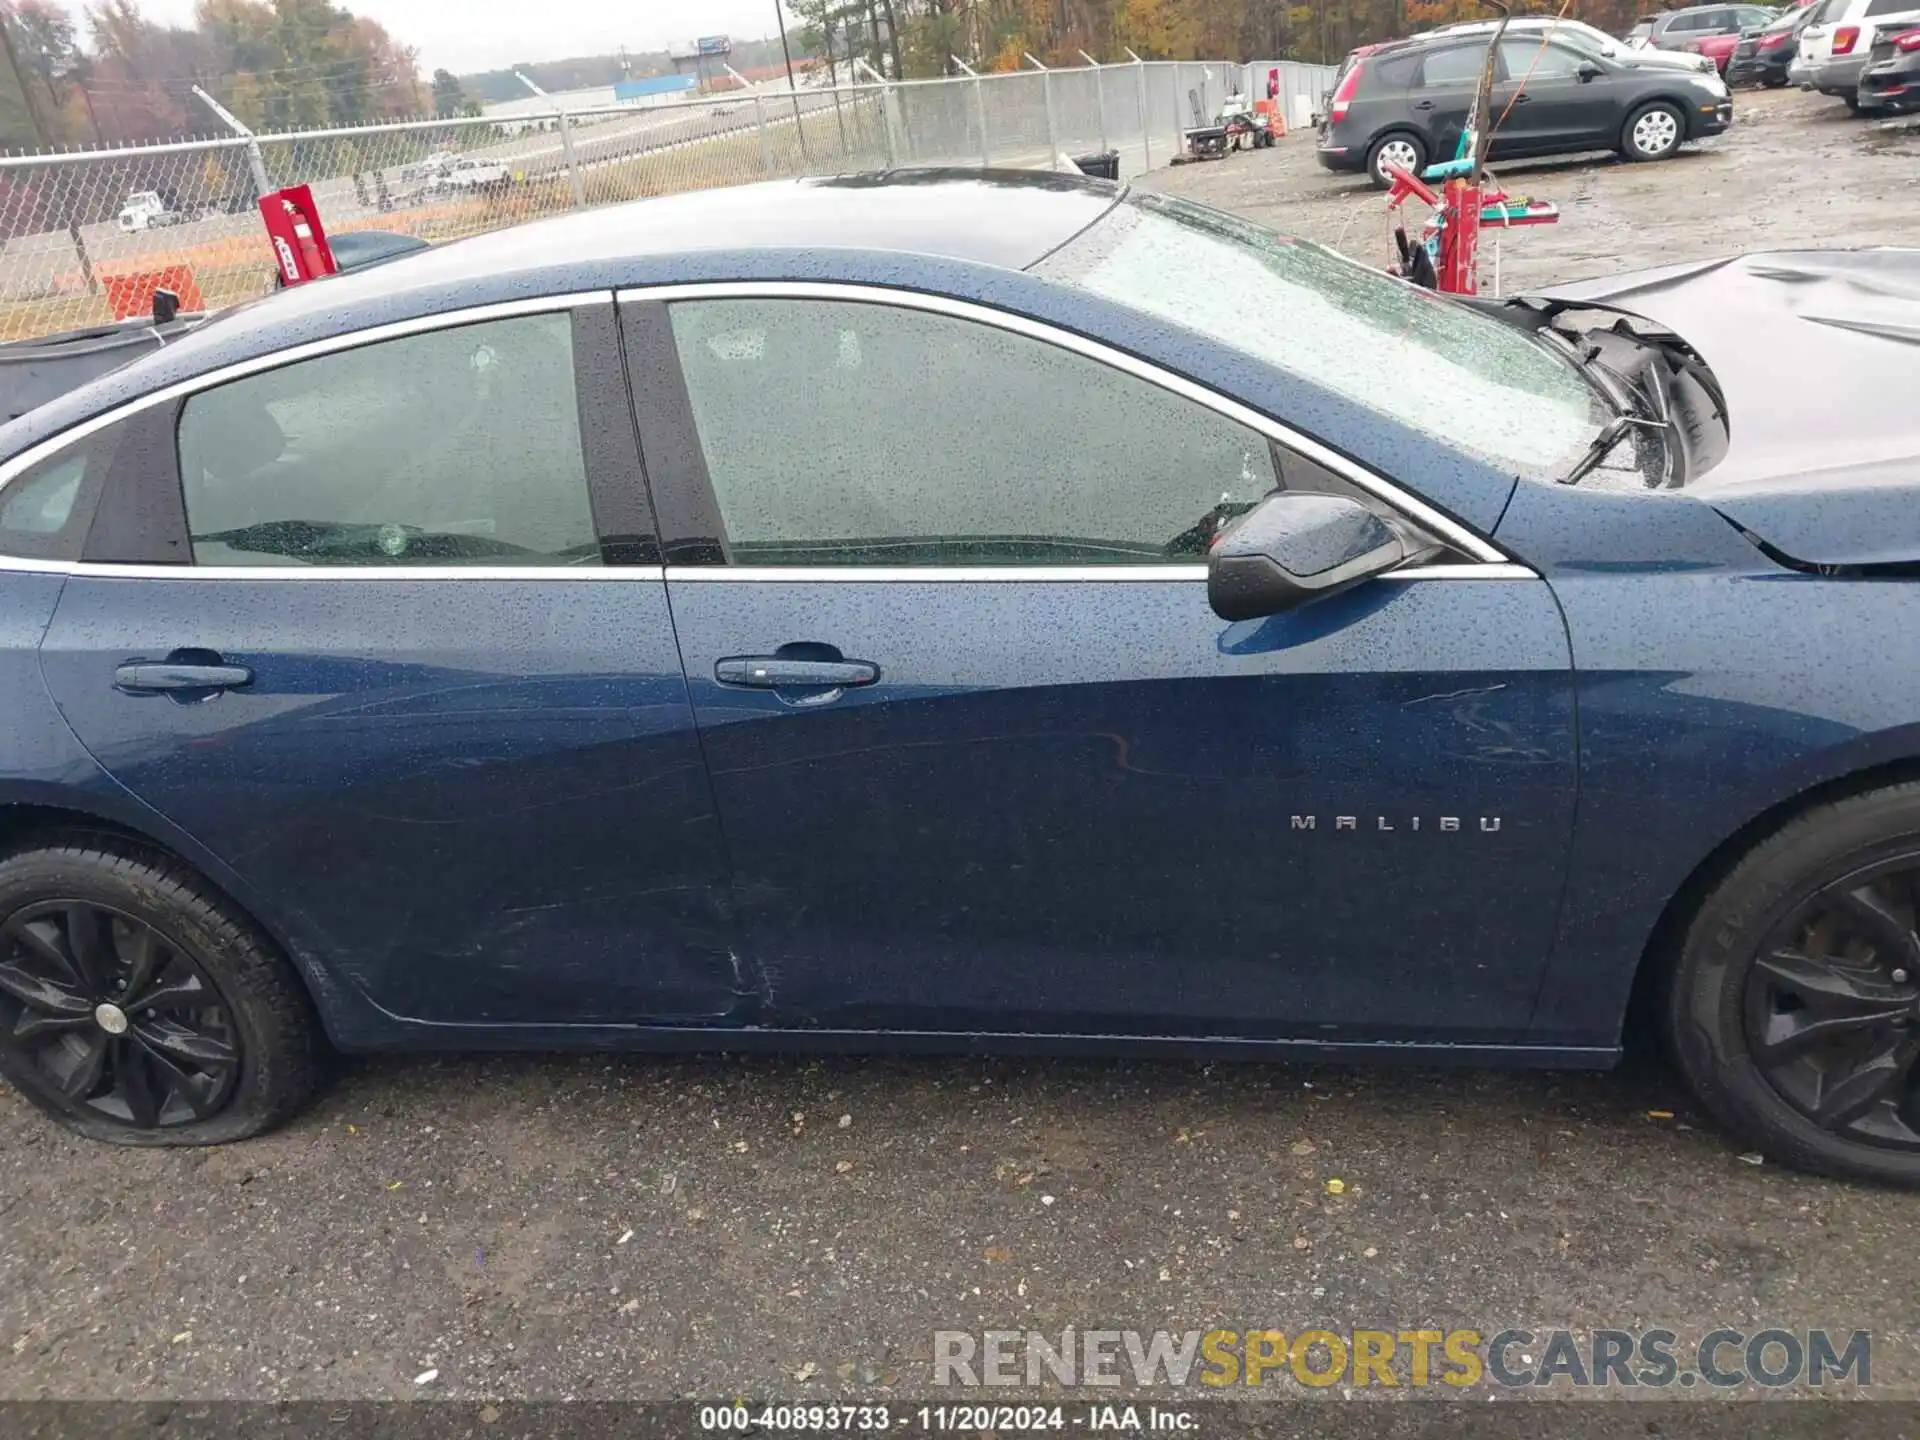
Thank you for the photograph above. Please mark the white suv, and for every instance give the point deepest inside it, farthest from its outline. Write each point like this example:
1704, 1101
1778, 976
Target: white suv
1583, 36
1833, 47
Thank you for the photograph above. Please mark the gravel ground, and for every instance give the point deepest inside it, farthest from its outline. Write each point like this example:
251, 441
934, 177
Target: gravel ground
1795, 170
541, 1227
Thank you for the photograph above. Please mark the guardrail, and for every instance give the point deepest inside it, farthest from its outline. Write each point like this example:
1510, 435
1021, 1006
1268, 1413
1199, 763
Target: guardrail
84, 229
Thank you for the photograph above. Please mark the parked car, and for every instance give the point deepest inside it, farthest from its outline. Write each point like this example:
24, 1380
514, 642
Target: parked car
1891, 80
1834, 46
1763, 55
1580, 35
1692, 27
1386, 681
1407, 106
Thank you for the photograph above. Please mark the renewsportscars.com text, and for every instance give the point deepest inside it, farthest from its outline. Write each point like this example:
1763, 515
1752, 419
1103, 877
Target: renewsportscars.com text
1513, 1358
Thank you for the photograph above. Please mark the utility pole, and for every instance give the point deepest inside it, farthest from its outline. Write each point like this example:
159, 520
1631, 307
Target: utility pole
40, 134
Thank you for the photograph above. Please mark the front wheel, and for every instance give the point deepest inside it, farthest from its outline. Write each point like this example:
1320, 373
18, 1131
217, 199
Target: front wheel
1653, 132
138, 1007
1399, 148
1794, 1006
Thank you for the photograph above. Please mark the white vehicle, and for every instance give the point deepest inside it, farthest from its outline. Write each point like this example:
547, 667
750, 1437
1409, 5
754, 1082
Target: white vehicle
1834, 47
474, 175
1586, 37
146, 209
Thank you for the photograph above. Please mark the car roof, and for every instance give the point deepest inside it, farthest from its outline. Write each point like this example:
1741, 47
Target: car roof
1006, 220
1010, 219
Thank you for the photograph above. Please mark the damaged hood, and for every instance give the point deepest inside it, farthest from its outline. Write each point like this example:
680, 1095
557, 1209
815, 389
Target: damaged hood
1818, 354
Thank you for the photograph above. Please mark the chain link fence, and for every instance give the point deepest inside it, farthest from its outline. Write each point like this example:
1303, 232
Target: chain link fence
86, 236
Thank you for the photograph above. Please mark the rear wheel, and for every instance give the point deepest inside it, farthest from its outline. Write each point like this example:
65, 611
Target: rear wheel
1653, 132
138, 1007
1794, 1006
1398, 148
1773, 82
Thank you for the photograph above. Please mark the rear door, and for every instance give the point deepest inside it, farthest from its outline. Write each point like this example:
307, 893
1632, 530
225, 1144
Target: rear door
1443, 92
986, 759
403, 664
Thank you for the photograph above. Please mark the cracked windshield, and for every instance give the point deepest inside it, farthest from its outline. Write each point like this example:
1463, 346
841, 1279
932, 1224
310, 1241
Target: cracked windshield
1427, 362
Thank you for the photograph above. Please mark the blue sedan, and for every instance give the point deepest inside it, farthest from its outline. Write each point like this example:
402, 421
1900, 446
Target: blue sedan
966, 611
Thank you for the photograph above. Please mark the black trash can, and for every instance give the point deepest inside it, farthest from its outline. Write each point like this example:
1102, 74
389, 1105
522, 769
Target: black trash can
1104, 166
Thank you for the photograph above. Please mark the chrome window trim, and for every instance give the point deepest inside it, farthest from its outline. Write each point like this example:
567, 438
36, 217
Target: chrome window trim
1380, 488
1024, 574
416, 573
699, 574
313, 349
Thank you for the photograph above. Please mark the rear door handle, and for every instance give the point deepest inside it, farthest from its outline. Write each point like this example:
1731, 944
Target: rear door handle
776, 672
142, 677
1423, 104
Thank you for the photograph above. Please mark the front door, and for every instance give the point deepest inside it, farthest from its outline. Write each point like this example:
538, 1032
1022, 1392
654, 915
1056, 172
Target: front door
984, 757
1543, 106
407, 691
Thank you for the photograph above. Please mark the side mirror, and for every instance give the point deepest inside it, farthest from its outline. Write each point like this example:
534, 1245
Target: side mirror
1589, 71
1295, 547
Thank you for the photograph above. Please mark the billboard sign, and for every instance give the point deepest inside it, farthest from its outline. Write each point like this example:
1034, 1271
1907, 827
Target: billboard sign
714, 45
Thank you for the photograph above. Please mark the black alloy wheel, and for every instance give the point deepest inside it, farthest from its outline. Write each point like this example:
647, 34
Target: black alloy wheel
111, 1015
139, 1005
1833, 1006
1792, 1005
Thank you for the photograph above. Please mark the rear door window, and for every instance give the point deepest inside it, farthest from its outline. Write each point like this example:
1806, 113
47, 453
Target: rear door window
1459, 66
457, 447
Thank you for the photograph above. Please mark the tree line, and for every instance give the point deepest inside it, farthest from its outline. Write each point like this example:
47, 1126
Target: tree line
281, 64
918, 38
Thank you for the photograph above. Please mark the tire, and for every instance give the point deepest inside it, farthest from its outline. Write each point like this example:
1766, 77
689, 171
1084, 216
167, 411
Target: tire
230, 1049
1783, 1010
1653, 132
1852, 103
1395, 144
1773, 82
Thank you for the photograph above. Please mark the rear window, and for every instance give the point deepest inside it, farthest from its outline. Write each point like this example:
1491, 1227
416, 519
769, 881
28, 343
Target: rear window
1892, 7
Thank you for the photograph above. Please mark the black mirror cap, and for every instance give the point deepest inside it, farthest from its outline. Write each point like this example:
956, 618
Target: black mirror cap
1589, 70
1296, 547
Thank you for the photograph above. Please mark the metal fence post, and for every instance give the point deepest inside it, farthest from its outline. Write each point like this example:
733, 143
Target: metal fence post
760, 124
1099, 96
255, 161
566, 140
1046, 103
980, 109
1146, 124
886, 108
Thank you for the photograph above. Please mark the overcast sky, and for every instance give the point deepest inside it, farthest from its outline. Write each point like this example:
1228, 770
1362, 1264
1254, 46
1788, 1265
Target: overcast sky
469, 35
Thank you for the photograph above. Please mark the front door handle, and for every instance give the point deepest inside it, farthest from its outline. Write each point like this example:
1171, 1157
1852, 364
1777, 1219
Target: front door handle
144, 677
1423, 104
777, 672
